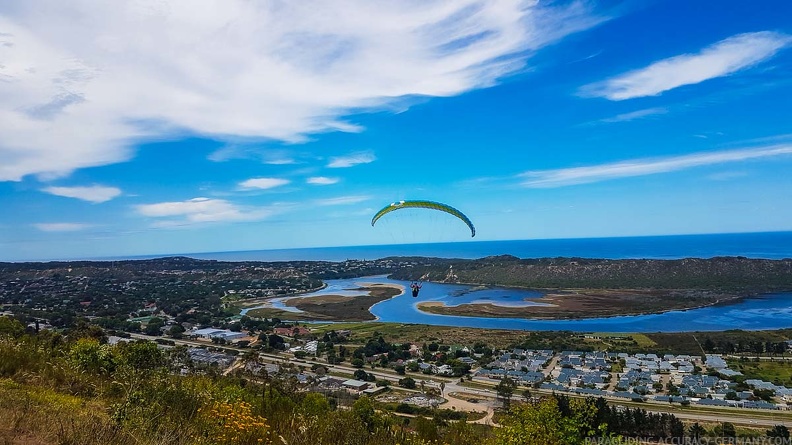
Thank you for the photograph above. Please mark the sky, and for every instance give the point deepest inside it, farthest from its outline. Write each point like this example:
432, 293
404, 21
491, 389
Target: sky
145, 127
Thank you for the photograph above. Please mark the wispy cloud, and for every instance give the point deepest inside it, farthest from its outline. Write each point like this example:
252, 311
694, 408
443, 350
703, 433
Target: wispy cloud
624, 117
61, 227
201, 210
264, 155
94, 193
342, 200
262, 183
322, 180
363, 157
76, 97
721, 59
280, 161
641, 167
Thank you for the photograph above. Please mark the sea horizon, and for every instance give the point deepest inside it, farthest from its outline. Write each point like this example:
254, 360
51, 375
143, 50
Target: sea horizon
758, 245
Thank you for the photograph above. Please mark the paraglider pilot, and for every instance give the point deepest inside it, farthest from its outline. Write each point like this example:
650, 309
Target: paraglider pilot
416, 287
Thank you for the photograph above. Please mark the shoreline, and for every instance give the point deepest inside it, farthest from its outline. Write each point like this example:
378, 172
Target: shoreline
590, 304
336, 307
265, 300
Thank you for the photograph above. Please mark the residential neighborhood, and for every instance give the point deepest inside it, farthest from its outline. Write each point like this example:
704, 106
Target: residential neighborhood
646, 377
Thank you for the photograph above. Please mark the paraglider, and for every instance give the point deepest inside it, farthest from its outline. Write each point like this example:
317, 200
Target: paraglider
416, 287
431, 205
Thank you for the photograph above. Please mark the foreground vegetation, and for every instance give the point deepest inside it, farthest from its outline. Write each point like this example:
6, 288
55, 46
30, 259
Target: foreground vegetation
72, 388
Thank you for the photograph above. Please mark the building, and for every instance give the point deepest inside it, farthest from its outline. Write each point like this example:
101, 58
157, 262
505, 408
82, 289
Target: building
357, 385
224, 334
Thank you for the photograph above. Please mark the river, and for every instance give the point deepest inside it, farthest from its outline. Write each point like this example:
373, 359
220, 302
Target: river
769, 311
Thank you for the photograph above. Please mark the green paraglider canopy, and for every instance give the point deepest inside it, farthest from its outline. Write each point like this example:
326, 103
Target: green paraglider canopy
425, 205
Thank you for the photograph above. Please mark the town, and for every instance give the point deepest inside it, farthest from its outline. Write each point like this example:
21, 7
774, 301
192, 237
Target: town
701, 380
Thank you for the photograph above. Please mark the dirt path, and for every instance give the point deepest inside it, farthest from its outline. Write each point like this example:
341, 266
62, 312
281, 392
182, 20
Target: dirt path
460, 404
236, 365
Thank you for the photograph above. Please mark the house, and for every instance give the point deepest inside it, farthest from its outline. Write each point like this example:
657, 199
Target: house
467, 361
357, 385
331, 382
425, 366
444, 370
712, 402
716, 362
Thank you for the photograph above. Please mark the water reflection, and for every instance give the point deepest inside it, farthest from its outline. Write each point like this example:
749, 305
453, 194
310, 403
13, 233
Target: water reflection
772, 311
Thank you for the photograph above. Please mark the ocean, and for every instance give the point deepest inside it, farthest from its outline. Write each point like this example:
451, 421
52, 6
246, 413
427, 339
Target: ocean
768, 245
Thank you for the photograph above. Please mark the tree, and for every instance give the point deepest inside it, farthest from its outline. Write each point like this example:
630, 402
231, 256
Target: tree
315, 404
442, 388
11, 327
176, 330
539, 424
407, 382
725, 429
275, 341
364, 409
778, 431
399, 369
505, 390
426, 430
764, 394
88, 355
142, 355
696, 431
154, 326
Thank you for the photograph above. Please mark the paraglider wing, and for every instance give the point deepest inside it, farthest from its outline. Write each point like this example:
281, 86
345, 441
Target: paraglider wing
425, 205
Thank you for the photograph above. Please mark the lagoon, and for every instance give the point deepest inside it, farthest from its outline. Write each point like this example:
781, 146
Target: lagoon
769, 311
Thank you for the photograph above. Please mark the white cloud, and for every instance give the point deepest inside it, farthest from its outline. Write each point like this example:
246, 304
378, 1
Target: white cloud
262, 183
721, 59
321, 180
201, 210
342, 200
61, 227
82, 81
95, 193
280, 161
352, 160
624, 117
641, 167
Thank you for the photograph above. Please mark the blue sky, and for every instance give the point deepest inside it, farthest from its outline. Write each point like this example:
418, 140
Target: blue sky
156, 127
